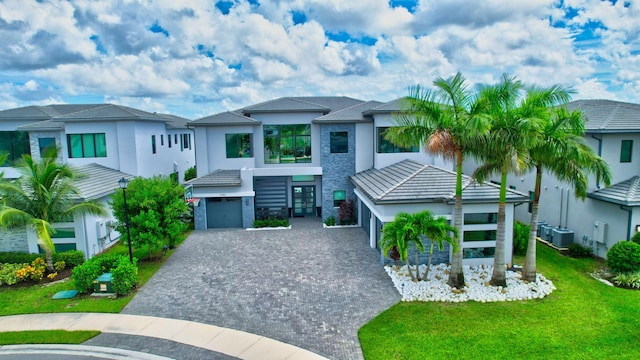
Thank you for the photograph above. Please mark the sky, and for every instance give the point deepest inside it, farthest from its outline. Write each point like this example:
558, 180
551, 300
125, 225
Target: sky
195, 58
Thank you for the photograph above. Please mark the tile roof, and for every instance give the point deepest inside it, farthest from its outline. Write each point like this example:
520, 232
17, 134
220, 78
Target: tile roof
98, 181
351, 114
323, 104
623, 193
411, 181
218, 178
388, 107
43, 112
42, 125
115, 112
608, 115
225, 118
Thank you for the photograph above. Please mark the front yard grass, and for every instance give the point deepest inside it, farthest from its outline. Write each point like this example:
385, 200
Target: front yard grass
46, 337
581, 319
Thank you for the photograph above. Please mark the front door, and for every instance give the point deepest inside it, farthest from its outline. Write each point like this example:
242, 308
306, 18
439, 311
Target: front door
304, 200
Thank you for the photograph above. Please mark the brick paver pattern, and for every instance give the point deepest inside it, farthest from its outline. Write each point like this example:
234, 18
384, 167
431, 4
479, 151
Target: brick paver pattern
307, 286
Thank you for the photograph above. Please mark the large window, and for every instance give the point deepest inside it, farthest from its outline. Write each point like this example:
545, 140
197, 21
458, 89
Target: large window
480, 235
14, 143
339, 142
386, 146
625, 151
87, 145
47, 146
285, 144
238, 145
480, 218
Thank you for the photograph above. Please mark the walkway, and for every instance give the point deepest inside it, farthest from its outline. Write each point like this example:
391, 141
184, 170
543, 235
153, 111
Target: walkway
236, 344
308, 286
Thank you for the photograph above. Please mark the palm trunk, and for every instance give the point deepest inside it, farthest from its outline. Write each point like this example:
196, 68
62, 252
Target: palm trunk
456, 275
499, 276
426, 273
529, 270
417, 264
48, 257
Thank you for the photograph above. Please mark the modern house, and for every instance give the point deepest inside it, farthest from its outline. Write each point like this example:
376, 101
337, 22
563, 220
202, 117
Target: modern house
304, 156
105, 142
607, 215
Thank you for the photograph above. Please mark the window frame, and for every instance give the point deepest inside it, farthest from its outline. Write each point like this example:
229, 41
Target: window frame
384, 146
626, 151
16, 144
287, 144
153, 144
340, 199
240, 144
87, 147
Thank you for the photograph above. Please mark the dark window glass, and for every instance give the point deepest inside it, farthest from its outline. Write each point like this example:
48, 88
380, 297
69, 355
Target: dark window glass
480, 235
161, 140
238, 145
339, 142
15, 144
287, 144
153, 144
625, 150
480, 218
338, 197
475, 253
169, 140
87, 145
64, 233
47, 147
385, 146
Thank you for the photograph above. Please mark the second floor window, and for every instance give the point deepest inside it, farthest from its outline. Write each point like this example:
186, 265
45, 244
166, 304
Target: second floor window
87, 145
626, 148
15, 144
284, 144
153, 144
238, 145
339, 142
385, 146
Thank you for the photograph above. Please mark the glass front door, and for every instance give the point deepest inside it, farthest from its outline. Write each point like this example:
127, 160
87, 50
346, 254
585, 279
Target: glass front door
304, 200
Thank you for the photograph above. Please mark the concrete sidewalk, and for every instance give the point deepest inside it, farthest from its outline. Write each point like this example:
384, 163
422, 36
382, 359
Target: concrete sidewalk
231, 342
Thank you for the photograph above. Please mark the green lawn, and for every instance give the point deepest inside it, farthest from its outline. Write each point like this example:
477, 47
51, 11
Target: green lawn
582, 319
46, 337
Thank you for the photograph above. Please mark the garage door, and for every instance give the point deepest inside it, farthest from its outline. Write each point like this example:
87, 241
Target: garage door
224, 213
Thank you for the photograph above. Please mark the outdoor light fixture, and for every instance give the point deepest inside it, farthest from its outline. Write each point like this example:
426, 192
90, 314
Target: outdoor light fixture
637, 228
123, 183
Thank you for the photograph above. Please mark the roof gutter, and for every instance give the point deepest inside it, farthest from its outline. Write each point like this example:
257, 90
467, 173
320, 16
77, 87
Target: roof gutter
599, 139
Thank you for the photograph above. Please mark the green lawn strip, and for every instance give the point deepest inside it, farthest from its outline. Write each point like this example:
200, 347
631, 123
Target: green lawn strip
583, 318
37, 299
46, 337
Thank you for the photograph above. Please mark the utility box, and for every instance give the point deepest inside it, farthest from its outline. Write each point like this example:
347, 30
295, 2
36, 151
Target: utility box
545, 232
561, 237
103, 284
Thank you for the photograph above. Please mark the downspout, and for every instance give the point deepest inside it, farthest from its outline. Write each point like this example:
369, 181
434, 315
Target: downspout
628, 210
561, 207
599, 139
566, 213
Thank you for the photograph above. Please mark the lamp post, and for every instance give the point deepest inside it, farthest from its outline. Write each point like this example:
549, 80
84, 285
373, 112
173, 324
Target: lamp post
123, 185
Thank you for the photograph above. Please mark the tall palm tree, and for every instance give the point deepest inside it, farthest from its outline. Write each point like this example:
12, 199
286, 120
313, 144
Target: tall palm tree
563, 153
42, 196
400, 234
514, 129
447, 121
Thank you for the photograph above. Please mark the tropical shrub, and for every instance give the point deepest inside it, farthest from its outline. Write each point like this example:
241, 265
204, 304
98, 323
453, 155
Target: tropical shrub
628, 280
190, 173
59, 265
34, 272
71, 258
624, 257
636, 238
8, 273
84, 275
17, 257
330, 221
124, 275
579, 251
520, 238
347, 212
270, 223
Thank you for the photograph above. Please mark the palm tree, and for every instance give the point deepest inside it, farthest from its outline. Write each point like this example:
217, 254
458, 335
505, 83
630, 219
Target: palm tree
436, 231
449, 122
42, 196
563, 153
513, 132
399, 235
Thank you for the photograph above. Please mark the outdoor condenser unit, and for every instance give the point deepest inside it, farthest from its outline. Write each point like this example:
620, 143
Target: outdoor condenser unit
539, 229
562, 237
545, 232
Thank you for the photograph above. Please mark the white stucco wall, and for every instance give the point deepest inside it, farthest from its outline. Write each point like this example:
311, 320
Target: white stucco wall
364, 146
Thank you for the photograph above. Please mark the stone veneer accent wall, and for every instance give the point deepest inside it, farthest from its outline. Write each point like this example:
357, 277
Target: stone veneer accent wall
35, 144
248, 211
200, 215
439, 257
336, 168
14, 240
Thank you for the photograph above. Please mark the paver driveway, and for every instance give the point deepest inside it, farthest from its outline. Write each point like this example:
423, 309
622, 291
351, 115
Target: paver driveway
307, 286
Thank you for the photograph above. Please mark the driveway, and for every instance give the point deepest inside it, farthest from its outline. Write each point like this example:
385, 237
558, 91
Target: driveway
307, 286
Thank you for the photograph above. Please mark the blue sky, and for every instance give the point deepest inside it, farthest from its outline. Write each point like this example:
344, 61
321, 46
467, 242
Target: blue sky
195, 58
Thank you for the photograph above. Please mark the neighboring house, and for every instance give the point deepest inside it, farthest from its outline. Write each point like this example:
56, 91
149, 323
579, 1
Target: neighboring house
122, 141
304, 156
608, 215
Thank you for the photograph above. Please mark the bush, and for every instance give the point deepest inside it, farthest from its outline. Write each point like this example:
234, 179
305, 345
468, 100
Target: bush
124, 276
190, 173
624, 257
84, 275
17, 257
636, 238
270, 223
59, 265
628, 280
8, 273
330, 221
579, 251
71, 258
34, 272
520, 238
347, 212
